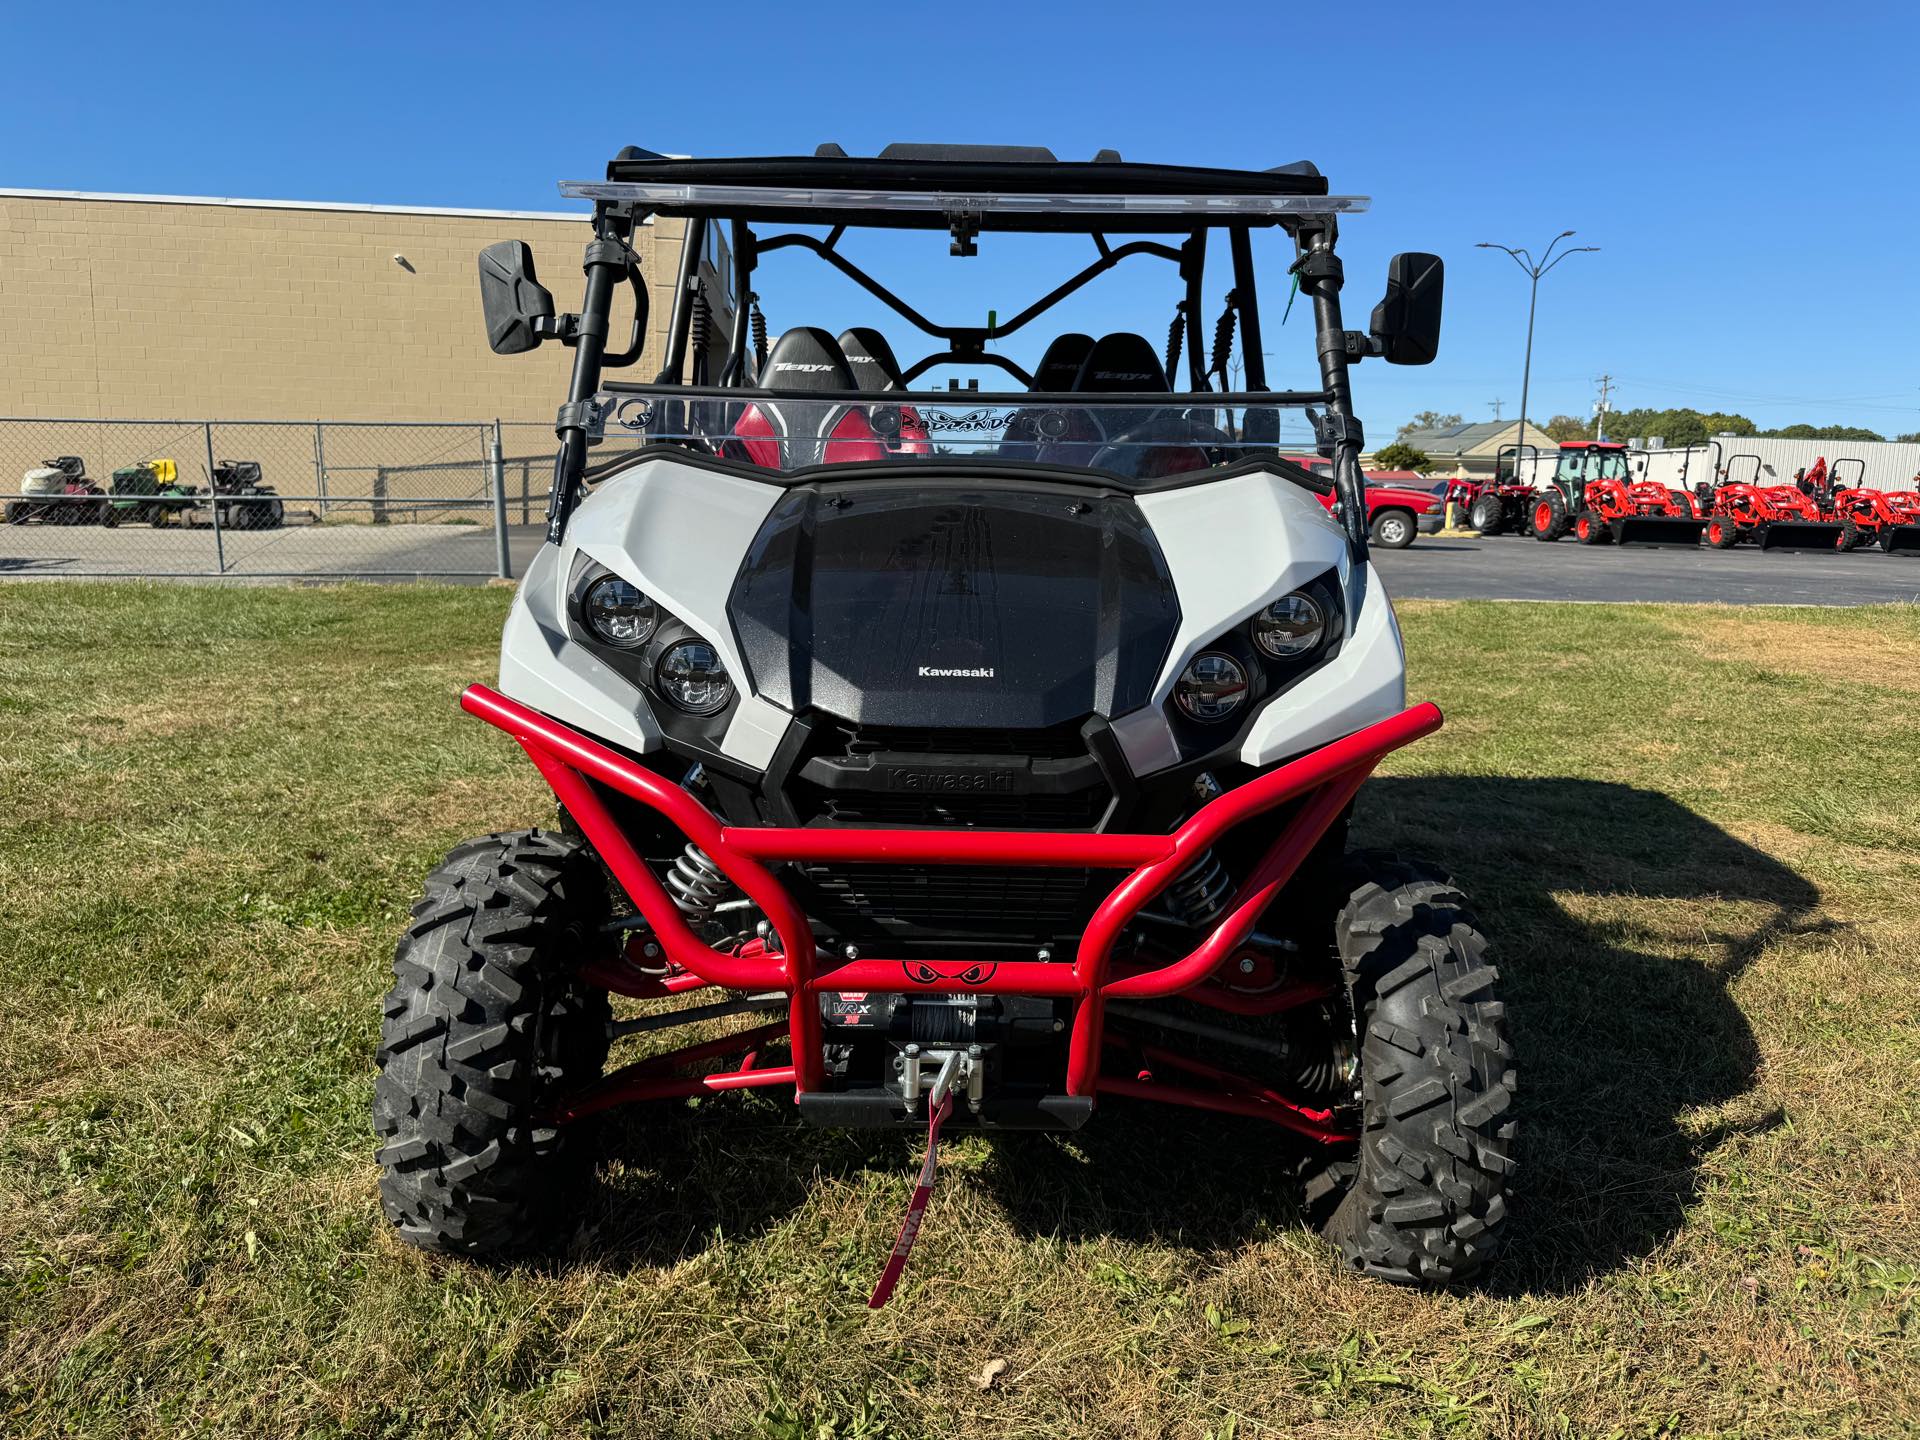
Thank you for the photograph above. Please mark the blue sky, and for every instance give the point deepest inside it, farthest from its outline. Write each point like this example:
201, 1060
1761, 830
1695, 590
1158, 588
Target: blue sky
1752, 175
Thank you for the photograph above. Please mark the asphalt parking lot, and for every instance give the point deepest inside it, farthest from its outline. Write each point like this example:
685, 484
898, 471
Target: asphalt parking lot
1433, 568
1517, 567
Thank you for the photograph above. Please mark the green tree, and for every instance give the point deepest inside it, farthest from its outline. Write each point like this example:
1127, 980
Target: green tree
1678, 426
1912, 437
1821, 432
1402, 457
1567, 427
1427, 420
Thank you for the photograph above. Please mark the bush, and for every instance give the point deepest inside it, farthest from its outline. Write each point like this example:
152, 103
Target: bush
1402, 457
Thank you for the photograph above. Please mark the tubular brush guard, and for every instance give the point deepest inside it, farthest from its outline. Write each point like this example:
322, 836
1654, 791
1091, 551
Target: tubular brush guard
1324, 781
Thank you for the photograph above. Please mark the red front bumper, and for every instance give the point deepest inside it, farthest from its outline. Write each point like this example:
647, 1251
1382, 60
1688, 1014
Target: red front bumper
1323, 781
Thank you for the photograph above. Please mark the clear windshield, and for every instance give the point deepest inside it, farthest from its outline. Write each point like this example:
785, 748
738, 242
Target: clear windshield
1130, 440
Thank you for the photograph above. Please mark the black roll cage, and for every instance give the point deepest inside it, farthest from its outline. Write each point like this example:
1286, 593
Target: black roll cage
609, 262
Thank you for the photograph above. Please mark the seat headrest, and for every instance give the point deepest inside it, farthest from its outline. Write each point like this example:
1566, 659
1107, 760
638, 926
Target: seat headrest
1060, 366
1119, 362
806, 358
871, 359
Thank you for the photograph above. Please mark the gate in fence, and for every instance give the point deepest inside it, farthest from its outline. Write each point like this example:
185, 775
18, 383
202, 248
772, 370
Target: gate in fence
268, 499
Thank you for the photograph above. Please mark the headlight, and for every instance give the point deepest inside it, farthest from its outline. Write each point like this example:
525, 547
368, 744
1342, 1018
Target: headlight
1294, 625
1211, 688
691, 676
619, 613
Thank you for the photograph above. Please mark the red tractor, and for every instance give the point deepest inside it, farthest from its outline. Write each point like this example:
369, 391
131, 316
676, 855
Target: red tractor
1889, 518
1904, 538
1775, 517
1594, 497
1503, 503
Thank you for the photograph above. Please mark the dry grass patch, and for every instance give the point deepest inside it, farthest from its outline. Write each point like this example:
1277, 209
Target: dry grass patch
1783, 640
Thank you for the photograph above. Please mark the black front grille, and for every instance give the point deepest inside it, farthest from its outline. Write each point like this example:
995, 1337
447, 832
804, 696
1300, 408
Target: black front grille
940, 778
1081, 810
875, 901
1058, 742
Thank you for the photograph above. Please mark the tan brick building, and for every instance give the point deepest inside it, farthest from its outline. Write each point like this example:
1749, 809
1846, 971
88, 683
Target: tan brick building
144, 306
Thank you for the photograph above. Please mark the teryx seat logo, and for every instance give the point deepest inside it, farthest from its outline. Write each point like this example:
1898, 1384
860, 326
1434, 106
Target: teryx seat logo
934, 672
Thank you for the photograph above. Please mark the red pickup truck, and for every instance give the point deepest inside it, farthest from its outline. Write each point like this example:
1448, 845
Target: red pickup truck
1400, 503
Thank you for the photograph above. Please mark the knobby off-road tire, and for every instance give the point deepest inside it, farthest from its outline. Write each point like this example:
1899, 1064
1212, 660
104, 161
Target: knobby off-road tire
1428, 1189
486, 1023
1852, 537
1722, 534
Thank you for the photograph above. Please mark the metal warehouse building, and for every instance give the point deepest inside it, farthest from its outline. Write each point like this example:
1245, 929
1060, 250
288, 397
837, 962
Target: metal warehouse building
138, 306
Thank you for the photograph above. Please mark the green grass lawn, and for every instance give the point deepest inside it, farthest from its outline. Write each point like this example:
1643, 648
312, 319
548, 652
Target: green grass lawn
1690, 831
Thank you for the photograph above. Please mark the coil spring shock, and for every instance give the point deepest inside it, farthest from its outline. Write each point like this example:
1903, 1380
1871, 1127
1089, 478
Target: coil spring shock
1223, 340
1174, 332
696, 883
759, 324
1201, 893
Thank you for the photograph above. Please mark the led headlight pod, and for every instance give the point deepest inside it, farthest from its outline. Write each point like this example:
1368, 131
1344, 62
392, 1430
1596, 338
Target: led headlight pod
619, 612
692, 678
1212, 688
1292, 626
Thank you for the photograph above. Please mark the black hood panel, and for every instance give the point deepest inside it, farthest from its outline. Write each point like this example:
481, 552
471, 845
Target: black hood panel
998, 604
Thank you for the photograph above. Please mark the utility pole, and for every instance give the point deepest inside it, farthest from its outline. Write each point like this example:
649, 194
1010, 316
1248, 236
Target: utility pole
1496, 402
1600, 410
1534, 271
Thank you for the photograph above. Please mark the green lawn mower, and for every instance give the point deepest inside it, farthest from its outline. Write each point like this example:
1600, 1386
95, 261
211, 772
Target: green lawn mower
149, 492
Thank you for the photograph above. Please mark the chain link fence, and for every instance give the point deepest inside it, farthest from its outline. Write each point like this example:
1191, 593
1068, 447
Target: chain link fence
269, 499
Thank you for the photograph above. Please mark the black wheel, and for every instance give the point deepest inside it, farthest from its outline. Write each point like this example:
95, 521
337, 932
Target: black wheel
485, 1026
1852, 537
1549, 516
1488, 515
109, 516
1394, 529
1722, 533
17, 512
1590, 529
1425, 1199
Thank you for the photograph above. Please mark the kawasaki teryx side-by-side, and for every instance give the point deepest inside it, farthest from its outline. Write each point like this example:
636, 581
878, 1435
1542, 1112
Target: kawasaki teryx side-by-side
991, 748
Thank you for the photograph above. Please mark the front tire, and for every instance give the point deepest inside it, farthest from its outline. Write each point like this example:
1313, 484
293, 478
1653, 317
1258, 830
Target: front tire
1427, 1200
1722, 533
1394, 529
486, 1025
1590, 529
1488, 515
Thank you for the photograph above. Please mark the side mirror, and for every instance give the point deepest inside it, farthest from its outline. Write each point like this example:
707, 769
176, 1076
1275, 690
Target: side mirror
512, 297
1407, 322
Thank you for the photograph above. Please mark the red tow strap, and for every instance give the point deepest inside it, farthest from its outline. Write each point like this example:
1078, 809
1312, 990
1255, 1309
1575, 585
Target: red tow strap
916, 1208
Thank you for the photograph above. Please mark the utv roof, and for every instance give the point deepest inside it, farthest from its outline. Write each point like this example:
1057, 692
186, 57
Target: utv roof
928, 186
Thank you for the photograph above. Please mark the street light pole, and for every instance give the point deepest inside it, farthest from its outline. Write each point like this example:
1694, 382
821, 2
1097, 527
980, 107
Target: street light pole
1534, 272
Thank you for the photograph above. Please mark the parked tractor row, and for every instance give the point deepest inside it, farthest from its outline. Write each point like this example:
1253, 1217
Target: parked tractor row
1593, 496
148, 492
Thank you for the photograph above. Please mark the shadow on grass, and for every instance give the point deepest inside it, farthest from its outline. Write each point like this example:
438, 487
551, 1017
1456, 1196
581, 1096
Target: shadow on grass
1622, 1024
